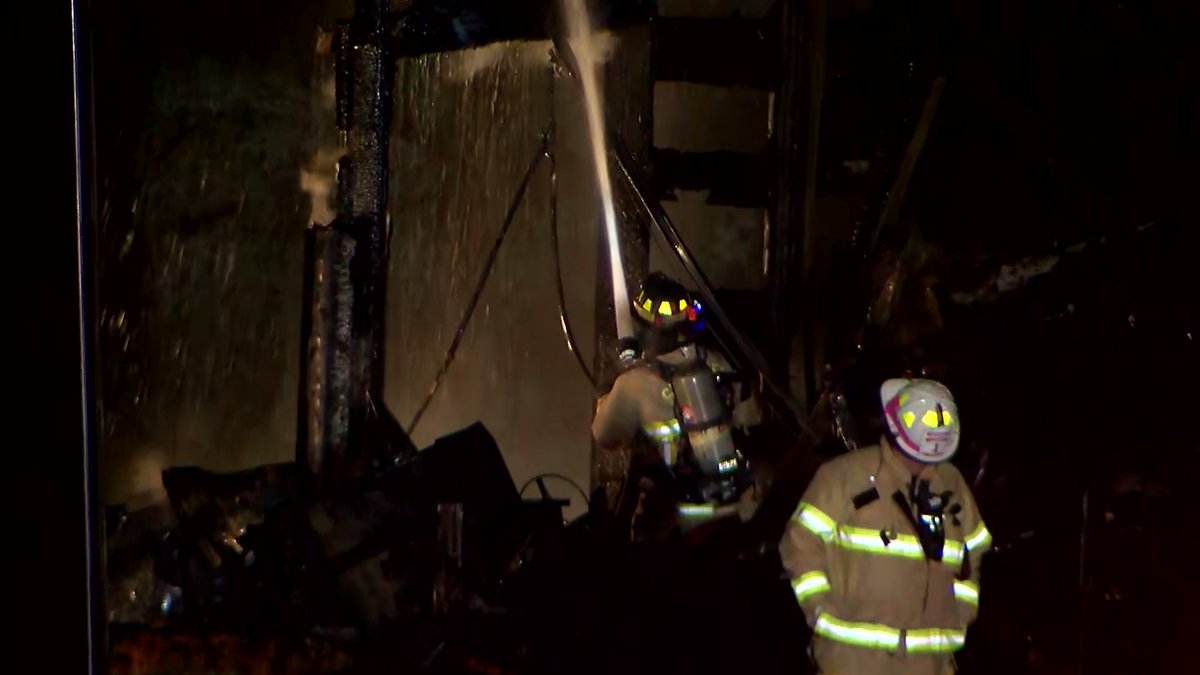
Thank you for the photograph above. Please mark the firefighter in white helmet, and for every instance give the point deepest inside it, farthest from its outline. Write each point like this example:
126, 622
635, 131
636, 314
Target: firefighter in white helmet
884, 549
675, 404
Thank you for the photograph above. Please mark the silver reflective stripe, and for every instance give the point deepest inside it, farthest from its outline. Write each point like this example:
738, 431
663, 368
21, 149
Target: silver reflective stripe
934, 641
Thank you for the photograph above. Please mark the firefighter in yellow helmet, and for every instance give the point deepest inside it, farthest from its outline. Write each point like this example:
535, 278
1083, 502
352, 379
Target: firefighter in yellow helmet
675, 404
884, 549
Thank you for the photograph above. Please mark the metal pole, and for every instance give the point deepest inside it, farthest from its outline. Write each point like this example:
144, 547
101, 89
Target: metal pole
81, 66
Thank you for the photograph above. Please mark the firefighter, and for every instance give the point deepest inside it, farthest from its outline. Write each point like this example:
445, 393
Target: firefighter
884, 549
675, 405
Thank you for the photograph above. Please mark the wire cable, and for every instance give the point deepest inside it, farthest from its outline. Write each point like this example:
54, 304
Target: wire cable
488, 265
563, 319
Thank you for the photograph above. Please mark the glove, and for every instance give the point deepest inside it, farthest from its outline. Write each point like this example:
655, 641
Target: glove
628, 351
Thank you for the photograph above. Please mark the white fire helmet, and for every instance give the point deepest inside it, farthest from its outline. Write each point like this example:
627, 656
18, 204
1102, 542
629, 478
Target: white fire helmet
923, 418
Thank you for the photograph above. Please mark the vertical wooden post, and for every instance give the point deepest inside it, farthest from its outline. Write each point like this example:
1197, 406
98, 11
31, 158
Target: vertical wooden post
345, 304
798, 120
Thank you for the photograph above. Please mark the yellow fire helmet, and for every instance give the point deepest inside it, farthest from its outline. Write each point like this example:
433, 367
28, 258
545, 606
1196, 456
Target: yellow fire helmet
922, 417
664, 303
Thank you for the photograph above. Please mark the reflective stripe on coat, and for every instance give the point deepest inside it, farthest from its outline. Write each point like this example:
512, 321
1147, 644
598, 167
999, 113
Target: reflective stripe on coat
875, 603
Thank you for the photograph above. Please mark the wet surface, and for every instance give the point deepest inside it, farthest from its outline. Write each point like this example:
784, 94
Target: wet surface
212, 166
201, 132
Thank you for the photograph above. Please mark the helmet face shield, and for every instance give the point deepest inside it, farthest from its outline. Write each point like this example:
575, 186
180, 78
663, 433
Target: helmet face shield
923, 419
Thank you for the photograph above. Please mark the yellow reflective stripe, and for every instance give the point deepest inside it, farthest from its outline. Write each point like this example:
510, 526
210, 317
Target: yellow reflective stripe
669, 429
952, 552
967, 592
870, 541
696, 510
903, 545
869, 635
807, 585
934, 640
979, 539
815, 521
877, 636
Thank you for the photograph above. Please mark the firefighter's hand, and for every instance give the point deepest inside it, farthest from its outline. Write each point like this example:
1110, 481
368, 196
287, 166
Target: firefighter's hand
628, 351
627, 354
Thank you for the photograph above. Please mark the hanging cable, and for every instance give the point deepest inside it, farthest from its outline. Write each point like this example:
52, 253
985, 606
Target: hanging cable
563, 319
479, 285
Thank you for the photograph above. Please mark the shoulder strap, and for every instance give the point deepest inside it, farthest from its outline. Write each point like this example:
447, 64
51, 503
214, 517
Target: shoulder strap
665, 370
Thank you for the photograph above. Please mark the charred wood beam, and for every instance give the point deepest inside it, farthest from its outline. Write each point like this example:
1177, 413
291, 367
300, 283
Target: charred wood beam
434, 26
343, 362
732, 178
328, 382
367, 148
895, 199
883, 299
723, 52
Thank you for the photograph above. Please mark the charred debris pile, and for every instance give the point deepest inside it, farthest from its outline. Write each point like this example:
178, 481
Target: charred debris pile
264, 569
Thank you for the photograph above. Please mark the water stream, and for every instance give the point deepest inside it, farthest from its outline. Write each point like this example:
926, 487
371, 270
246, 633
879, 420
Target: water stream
586, 48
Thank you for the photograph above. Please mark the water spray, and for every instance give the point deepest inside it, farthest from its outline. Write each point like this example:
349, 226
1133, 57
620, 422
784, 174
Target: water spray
583, 44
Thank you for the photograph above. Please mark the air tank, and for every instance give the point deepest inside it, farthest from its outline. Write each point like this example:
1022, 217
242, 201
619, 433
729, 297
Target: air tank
704, 417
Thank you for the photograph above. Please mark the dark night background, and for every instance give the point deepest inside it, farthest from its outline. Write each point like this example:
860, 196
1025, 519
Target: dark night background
1063, 122
48, 470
